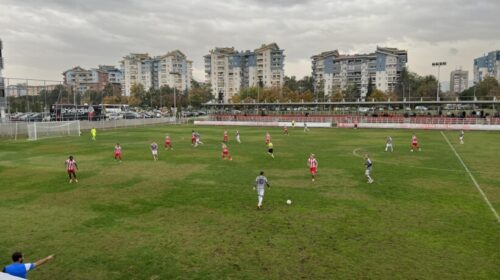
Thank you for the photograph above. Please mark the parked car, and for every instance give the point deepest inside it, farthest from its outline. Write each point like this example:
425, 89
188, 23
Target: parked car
35, 117
131, 115
363, 109
421, 108
115, 116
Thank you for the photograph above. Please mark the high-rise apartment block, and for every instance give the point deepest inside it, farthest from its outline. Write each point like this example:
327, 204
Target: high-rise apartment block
487, 66
228, 70
172, 69
459, 81
332, 70
82, 80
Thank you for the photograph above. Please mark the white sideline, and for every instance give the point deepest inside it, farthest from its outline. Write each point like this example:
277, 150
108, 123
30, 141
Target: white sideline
473, 179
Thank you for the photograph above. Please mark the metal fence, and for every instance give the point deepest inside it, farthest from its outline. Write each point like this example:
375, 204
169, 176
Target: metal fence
19, 130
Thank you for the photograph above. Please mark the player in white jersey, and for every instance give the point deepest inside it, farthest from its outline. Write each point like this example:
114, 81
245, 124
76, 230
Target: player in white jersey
306, 129
461, 137
312, 162
238, 137
260, 183
388, 144
197, 140
154, 150
368, 170
71, 166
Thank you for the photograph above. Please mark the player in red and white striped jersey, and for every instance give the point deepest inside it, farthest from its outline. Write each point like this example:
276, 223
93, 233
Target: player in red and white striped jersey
312, 162
71, 166
414, 143
118, 152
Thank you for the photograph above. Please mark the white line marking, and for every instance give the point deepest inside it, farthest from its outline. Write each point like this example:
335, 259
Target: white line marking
355, 153
473, 179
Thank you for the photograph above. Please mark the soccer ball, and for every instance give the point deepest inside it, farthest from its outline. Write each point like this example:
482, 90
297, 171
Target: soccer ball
289, 202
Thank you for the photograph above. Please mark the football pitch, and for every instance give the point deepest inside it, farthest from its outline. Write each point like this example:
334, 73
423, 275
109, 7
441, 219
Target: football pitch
192, 215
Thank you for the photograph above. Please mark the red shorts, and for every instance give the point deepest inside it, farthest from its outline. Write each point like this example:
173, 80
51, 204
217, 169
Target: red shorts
118, 154
225, 153
71, 171
225, 138
193, 140
313, 170
167, 143
414, 144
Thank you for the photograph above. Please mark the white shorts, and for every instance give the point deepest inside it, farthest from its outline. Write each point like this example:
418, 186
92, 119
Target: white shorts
154, 152
260, 191
388, 145
367, 172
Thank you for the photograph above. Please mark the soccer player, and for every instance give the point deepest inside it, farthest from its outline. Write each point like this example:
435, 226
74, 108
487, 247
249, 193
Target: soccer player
368, 170
306, 129
312, 162
268, 138
285, 130
225, 152
293, 123
193, 137
19, 269
270, 149
260, 183
118, 152
461, 137
154, 150
388, 144
226, 137
414, 143
93, 133
197, 140
70, 168
168, 143
238, 137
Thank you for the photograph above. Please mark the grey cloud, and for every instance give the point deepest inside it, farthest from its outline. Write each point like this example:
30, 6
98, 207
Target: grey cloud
50, 34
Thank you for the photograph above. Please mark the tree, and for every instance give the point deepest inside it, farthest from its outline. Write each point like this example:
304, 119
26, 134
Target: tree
199, 95
138, 96
369, 88
337, 96
378, 95
352, 91
427, 87
488, 87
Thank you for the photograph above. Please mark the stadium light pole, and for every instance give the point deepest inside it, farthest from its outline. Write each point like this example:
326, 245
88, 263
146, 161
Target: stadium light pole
438, 65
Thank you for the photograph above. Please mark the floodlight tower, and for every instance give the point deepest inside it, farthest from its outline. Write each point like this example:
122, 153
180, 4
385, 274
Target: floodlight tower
438, 65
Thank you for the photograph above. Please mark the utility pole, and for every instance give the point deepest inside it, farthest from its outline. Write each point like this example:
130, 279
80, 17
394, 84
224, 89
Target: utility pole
175, 97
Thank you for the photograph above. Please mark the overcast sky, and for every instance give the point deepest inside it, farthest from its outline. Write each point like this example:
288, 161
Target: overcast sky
42, 39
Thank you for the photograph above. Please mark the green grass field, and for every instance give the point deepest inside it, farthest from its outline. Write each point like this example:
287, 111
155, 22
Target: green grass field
192, 216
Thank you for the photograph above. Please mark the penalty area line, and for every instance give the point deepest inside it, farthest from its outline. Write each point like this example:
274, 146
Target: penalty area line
472, 178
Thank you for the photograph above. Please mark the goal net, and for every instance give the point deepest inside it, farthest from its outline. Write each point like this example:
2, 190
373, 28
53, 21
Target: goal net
42, 130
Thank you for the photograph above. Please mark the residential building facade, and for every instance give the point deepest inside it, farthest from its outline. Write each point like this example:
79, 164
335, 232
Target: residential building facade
82, 80
172, 69
228, 70
382, 69
487, 66
459, 81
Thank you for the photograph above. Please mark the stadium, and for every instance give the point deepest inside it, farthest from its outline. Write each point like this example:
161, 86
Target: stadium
154, 140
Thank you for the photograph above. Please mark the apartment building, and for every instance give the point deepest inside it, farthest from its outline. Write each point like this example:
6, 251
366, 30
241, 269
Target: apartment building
487, 66
459, 81
82, 80
228, 70
382, 68
172, 69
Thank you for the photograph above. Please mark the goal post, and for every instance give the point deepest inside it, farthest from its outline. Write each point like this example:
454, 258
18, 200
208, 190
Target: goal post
42, 130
